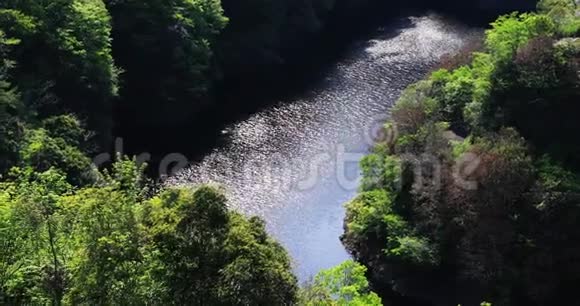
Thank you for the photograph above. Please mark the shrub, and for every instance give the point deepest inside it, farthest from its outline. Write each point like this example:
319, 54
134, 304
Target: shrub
366, 213
413, 108
510, 32
42, 152
381, 171
11, 127
463, 57
536, 64
563, 12
66, 127
413, 250
343, 285
453, 90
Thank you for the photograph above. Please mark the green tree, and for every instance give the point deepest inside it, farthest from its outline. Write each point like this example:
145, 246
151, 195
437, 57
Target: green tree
343, 285
64, 57
510, 32
12, 247
200, 253
42, 152
106, 257
258, 271
493, 211
174, 39
564, 13
39, 276
11, 126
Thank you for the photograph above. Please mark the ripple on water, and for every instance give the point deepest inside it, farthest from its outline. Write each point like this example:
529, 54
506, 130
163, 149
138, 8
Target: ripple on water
296, 163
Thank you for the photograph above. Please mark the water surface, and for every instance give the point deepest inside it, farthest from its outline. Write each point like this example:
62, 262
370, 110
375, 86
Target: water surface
296, 163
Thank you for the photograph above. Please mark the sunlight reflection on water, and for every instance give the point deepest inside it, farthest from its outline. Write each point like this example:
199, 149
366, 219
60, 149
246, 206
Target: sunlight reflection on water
285, 163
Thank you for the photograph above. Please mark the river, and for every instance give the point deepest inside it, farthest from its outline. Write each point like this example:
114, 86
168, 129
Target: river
295, 163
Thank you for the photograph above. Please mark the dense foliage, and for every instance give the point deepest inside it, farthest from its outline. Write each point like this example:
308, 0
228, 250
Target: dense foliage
264, 35
71, 71
476, 198
174, 39
139, 66
343, 285
75, 69
71, 234
106, 243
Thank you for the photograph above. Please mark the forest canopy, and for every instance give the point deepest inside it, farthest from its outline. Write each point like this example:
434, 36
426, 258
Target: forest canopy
476, 198
75, 72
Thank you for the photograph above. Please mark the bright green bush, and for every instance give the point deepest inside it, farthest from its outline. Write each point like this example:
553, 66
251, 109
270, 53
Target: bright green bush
381, 171
368, 211
36, 273
453, 90
564, 13
105, 243
510, 32
343, 285
42, 152
414, 250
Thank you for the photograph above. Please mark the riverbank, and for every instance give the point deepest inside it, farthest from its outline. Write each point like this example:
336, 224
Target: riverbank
491, 216
295, 163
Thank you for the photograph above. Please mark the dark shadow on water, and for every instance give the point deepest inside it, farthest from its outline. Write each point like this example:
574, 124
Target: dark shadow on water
204, 131
239, 99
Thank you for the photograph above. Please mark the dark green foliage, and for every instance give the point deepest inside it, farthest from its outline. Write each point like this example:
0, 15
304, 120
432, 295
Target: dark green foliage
41, 151
545, 90
536, 66
564, 13
263, 34
258, 271
174, 38
494, 215
75, 68
66, 127
190, 243
70, 234
11, 129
